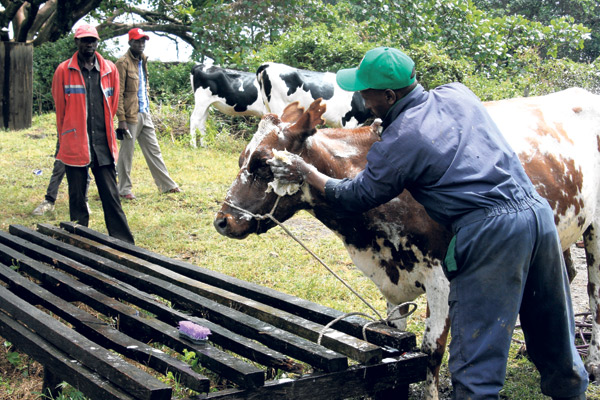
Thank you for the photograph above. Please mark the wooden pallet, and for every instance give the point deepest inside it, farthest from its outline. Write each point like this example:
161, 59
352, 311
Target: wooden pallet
93, 310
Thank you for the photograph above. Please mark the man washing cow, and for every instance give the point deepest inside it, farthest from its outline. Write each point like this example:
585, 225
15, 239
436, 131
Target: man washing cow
505, 258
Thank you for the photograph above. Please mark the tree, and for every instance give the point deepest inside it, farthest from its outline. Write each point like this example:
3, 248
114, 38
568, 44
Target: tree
585, 12
39, 22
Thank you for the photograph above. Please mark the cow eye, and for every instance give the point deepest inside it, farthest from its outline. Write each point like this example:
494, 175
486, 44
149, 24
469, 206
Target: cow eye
260, 169
264, 172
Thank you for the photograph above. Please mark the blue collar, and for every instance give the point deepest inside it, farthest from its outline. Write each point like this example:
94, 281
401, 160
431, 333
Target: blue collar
417, 96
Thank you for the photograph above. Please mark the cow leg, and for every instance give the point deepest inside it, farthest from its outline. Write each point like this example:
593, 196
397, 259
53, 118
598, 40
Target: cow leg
437, 326
198, 118
571, 270
592, 252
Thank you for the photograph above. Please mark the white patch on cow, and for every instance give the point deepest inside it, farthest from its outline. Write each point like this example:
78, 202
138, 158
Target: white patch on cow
265, 127
521, 125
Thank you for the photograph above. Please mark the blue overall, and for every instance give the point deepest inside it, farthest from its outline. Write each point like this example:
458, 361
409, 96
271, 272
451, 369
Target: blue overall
505, 258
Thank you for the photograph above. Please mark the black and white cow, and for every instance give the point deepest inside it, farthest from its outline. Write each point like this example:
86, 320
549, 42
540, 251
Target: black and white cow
281, 85
229, 91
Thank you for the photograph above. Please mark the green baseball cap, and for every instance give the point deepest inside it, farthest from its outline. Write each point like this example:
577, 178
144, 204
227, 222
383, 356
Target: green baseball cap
380, 68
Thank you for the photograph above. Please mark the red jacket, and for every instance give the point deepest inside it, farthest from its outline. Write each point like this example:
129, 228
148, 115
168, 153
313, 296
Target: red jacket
68, 91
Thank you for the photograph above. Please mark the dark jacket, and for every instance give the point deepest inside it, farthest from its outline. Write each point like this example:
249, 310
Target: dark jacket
444, 148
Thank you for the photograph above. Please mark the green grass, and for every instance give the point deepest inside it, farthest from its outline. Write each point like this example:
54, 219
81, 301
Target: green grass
180, 226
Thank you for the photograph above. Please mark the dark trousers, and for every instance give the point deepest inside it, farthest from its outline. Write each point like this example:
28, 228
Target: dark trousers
58, 173
106, 181
510, 264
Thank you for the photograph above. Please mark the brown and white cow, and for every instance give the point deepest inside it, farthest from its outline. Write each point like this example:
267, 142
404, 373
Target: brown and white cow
557, 138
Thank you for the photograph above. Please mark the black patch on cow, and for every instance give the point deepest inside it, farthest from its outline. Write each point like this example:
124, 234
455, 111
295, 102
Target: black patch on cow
264, 81
236, 87
309, 81
357, 110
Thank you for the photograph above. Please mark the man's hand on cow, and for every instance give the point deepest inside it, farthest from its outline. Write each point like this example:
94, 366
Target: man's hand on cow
288, 168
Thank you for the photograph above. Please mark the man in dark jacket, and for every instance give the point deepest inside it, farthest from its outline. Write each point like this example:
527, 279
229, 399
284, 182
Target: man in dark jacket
85, 89
505, 258
135, 122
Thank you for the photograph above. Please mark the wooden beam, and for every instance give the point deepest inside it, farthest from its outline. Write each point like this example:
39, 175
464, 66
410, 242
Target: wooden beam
132, 323
93, 328
355, 348
378, 334
318, 356
105, 363
63, 367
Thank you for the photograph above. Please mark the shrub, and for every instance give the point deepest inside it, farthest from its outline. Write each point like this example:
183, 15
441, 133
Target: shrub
316, 48
170, 82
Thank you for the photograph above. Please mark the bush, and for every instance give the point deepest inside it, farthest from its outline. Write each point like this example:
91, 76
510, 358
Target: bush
316, 48
170, 82
434, 67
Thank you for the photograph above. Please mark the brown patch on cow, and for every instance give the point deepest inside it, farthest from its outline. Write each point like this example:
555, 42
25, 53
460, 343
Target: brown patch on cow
543, 129
559, 182
598, 143
577, 110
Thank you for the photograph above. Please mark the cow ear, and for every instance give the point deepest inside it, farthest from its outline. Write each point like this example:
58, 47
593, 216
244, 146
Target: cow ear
292, 112
307, 123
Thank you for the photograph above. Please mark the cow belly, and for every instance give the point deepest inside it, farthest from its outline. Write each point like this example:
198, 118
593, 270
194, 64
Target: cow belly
409, 285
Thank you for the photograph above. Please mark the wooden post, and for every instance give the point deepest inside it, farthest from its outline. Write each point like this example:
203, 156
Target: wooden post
16, 85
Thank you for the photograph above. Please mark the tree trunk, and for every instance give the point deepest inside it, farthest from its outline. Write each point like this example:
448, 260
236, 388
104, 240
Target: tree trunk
16, 85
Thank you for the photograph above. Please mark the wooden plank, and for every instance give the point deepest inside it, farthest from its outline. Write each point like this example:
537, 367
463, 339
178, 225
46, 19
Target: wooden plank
318, 356
221, 336
366, 380
63, 367
355, 348
116, 370
130, 322
378, 334
94, 329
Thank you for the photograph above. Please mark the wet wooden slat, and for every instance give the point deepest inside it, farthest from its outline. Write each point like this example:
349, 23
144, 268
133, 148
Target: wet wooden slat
367, 380
130, 322
63, 367
357, 349
117, 371
301, 349
379, 334
94, 329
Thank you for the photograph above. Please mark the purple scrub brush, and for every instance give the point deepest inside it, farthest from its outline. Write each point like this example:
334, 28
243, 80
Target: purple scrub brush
193, 332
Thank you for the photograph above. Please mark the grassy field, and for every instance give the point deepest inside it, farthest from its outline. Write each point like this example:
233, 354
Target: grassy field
180, 226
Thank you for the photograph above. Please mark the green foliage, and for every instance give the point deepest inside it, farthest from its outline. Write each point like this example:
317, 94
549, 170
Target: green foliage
316, 48
228, 31
170, 82
435, 67
583, 12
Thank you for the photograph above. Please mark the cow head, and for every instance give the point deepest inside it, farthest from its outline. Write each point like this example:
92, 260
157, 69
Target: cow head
251, 195
336, 152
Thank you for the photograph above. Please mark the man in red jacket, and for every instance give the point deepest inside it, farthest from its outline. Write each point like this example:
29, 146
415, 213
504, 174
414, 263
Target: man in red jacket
85, 89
